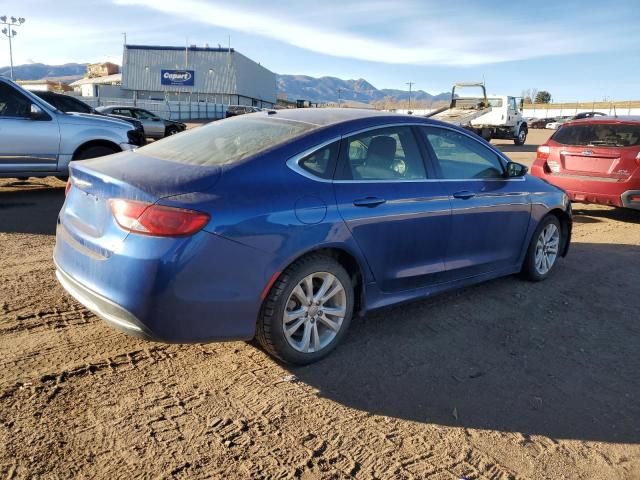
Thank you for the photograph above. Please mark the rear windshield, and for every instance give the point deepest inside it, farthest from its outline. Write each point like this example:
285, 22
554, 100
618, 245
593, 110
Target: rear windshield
603, 134
226, 141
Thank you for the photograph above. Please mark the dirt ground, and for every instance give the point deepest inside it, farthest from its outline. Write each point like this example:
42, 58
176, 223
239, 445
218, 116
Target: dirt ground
505, 380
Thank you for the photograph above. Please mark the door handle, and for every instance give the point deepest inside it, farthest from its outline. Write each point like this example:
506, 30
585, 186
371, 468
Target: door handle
464, 194
369, 202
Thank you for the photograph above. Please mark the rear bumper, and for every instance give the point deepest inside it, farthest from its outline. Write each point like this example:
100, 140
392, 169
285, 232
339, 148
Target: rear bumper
197, 289
629, 201
579, 189
112, 313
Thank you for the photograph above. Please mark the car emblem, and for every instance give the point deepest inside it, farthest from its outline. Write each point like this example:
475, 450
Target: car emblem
587, 153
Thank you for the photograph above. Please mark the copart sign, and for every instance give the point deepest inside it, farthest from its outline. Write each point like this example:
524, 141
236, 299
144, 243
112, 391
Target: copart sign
182, 78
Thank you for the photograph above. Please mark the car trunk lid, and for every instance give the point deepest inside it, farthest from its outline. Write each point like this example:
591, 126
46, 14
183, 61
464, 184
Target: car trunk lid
597, 151
87, 214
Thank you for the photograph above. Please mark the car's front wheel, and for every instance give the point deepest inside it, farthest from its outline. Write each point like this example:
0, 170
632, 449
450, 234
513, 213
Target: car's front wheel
308, 310
544, 249
521, 137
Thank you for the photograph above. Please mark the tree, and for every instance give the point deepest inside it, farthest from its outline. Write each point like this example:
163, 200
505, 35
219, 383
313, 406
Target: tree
529, 95
543, 97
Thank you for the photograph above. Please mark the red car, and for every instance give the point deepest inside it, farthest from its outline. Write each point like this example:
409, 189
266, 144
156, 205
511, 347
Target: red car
596, 160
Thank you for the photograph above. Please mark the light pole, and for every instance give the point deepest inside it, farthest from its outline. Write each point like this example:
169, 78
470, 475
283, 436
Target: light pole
339, 97
10, 32
410, 85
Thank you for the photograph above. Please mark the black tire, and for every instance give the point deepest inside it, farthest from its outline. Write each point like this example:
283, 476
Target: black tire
270, 328
522, 136
94, 152
171, 131
23, 179
529, 268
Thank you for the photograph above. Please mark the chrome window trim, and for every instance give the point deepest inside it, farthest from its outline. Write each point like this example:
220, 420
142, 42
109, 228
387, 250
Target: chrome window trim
293, 162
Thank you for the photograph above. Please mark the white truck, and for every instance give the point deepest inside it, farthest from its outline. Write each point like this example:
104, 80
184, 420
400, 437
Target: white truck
495, 116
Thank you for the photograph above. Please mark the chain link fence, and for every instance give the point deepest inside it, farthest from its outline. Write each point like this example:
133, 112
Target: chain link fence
172, 110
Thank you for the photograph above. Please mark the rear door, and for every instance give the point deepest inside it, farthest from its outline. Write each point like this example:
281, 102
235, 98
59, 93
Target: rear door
596, 151
26, 145
489, 212
398, 215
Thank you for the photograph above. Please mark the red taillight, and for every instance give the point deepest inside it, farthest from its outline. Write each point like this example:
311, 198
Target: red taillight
67, 187
543, 152
159, 220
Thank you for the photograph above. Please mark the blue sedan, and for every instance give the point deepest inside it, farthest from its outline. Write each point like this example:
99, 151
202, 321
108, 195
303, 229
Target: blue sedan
283, 225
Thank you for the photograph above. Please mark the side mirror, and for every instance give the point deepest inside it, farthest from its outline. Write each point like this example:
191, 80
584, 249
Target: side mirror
36, 113
515, 170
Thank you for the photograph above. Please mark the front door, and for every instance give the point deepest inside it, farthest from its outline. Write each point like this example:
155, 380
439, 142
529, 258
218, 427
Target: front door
152, 124
399, 218
489, 212
26, 145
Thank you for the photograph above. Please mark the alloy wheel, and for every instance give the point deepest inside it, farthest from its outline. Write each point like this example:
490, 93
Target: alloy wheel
547, 249
314, 312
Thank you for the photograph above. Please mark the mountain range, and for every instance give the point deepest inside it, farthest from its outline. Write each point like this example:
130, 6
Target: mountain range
324, 89
330, 89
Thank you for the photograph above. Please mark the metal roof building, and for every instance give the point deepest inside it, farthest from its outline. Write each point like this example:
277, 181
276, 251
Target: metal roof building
219, 75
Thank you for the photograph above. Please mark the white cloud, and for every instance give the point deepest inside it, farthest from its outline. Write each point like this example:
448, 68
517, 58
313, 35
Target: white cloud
410, 39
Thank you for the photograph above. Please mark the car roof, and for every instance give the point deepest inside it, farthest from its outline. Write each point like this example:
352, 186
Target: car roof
330, 116
606, 119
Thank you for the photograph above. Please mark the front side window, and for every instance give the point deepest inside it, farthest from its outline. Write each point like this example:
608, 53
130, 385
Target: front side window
122, 111
462, 158
390, 153
13, 103
143, 115
321, 162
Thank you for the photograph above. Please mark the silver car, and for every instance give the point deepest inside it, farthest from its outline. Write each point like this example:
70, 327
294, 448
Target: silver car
38, 140
154, 126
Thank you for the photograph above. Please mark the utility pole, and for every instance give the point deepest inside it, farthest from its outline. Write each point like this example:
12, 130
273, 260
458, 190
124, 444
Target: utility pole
339, 98
10, 32
411, 84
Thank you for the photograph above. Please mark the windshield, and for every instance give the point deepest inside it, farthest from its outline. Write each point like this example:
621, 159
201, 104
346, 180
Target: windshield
604, 134
226, 141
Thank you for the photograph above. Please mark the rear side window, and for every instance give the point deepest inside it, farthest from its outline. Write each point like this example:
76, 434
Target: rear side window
390, 153
226, 141
461, 157
321, 162
599, 134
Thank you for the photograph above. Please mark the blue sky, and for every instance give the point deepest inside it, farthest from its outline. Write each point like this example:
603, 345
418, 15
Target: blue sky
577, 50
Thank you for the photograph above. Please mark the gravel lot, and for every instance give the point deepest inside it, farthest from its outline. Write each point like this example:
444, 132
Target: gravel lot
503, 380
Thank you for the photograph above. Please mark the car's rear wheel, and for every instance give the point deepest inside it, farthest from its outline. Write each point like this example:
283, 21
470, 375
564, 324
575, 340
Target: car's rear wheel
544, 249
307, 312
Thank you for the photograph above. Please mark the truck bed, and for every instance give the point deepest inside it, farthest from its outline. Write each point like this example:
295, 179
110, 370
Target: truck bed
458, 116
